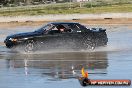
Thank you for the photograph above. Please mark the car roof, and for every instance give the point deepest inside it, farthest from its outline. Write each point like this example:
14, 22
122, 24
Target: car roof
55, 23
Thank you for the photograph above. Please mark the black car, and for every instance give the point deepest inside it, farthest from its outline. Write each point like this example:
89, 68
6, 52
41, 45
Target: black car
59, 35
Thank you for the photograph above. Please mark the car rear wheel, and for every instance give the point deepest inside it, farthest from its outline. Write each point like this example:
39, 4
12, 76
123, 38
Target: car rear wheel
88, 44
29, 46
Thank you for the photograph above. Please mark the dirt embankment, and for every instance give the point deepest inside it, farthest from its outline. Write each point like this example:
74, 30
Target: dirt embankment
104, 18
105, 21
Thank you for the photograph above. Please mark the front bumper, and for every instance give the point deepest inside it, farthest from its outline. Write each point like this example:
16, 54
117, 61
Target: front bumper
9, 43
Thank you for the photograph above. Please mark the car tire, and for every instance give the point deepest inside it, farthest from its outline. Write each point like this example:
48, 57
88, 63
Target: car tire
29, 46
89, 45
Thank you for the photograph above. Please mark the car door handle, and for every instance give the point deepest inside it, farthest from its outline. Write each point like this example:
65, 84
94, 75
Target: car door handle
79, 31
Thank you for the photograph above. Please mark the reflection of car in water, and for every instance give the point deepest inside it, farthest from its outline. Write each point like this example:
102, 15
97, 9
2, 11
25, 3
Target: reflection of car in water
61, 65
59, 35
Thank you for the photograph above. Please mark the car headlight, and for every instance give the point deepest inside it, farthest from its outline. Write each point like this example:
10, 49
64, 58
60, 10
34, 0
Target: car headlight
13, 39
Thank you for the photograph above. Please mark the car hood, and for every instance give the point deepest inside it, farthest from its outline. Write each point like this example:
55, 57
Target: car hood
24, 35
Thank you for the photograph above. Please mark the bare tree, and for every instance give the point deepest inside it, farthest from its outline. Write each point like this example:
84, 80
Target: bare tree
4, 2
28, 2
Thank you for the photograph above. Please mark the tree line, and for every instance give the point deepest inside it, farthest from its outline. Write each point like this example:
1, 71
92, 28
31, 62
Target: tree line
27, 2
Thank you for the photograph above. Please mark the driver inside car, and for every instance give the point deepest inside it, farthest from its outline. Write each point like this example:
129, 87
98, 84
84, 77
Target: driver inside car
61, 28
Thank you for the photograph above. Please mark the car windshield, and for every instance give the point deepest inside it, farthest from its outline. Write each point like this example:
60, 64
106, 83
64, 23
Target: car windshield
43, 28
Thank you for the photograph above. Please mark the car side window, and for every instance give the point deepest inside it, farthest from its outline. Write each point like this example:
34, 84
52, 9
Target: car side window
75, 28
60, 28
80, 28
64, 28
53, 30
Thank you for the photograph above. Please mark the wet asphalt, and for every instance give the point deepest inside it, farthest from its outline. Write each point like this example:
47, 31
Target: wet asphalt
60, 69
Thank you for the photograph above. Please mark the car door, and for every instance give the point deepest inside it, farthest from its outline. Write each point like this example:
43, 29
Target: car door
50, 41
81, 36
71, 39
56, 40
